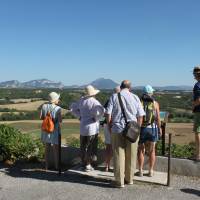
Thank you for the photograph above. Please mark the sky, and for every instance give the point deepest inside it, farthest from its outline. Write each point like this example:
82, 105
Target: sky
153, 42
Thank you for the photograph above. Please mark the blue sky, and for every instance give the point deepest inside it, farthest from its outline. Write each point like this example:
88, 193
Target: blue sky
76, 41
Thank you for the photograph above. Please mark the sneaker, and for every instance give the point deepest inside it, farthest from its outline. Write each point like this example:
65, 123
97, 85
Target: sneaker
106, 169
139, 173
150, 174
117, 185
128, 183
88, 168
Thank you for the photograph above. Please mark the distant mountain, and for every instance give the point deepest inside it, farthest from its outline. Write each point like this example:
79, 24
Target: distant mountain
40, 83
100, 83
168, 88
103, 83
180, 87
10, 84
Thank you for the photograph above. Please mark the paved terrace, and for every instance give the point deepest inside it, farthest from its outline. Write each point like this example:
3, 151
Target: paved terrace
30, 182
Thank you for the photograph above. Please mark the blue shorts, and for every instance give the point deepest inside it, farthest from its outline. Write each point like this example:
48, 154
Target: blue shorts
148, 135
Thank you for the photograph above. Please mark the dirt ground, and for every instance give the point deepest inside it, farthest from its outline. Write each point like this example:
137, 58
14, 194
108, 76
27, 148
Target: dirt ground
182, 133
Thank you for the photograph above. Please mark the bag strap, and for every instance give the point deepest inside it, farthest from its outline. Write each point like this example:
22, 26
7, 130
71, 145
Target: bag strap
122, 107
50, 108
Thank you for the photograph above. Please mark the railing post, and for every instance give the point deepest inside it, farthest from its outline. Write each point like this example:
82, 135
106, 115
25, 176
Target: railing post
59, 153
169, 161
163, 126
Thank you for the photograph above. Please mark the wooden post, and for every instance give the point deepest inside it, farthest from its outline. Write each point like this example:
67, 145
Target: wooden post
169, 161
59, 153
163, 126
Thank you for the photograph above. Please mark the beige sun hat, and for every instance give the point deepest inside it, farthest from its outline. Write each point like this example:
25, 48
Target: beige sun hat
53, 97
91, 91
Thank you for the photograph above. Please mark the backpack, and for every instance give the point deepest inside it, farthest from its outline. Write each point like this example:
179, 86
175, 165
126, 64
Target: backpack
149, 109
48, 123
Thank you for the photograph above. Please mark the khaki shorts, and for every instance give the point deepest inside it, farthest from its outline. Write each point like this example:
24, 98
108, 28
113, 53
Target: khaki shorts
196, 127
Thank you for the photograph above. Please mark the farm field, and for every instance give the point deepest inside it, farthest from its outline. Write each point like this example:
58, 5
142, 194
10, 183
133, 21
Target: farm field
181, 132
26, 106
16, 113
30, 106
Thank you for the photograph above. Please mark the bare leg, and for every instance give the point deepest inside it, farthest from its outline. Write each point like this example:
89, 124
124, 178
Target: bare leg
55, 152
152, 156
108, 155
197, 141
141, 152
47, 149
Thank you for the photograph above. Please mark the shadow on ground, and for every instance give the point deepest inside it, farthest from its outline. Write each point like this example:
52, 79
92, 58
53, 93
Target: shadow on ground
35, 171
191, 191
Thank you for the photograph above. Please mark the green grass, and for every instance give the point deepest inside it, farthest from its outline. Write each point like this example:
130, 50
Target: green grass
33, 129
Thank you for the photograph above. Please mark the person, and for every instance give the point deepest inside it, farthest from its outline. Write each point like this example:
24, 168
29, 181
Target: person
52, 138
124, 152
89, 111
107, 136
196, 110
151, 128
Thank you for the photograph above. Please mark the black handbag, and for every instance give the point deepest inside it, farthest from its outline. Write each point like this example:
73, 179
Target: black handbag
132, 129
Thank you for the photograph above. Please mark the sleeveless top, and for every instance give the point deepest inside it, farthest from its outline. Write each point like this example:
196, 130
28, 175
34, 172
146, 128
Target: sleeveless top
55, 110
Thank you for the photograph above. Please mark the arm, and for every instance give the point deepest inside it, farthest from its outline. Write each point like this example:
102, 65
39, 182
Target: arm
140, 120
42, 113
158, 121
108, 113
60, 118
140, 112
74, 109
108, 119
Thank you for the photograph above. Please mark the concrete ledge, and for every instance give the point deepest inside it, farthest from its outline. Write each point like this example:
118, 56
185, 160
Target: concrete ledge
158, 177
185, 167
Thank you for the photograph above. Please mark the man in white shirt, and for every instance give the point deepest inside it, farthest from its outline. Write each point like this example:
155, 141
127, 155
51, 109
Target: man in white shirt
125, 153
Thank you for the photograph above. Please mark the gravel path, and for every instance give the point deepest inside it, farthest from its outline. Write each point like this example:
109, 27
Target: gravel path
25, 184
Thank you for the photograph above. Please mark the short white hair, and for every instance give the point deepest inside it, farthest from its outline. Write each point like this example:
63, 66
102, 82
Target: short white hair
117, 89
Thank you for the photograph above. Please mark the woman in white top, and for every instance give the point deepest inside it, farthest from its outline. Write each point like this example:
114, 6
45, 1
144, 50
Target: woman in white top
89, 111
51, 138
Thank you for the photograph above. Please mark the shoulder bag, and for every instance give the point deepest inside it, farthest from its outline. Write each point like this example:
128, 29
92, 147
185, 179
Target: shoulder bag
132, 130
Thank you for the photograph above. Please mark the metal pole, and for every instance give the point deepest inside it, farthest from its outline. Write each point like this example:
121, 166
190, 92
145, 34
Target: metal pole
163, 126
169, 161
59, 153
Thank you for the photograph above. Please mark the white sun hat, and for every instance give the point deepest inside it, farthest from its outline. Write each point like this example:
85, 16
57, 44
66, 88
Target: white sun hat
53, 97
91, 91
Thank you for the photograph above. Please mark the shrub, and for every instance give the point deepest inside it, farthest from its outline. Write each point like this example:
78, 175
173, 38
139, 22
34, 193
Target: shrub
14, 145
178, 151
75, 142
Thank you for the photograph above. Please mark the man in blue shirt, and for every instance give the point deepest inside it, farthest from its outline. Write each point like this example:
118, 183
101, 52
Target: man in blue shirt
196, 110
124, 152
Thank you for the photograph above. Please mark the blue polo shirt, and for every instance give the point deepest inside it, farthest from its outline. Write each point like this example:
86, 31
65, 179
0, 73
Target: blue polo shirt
196, 95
